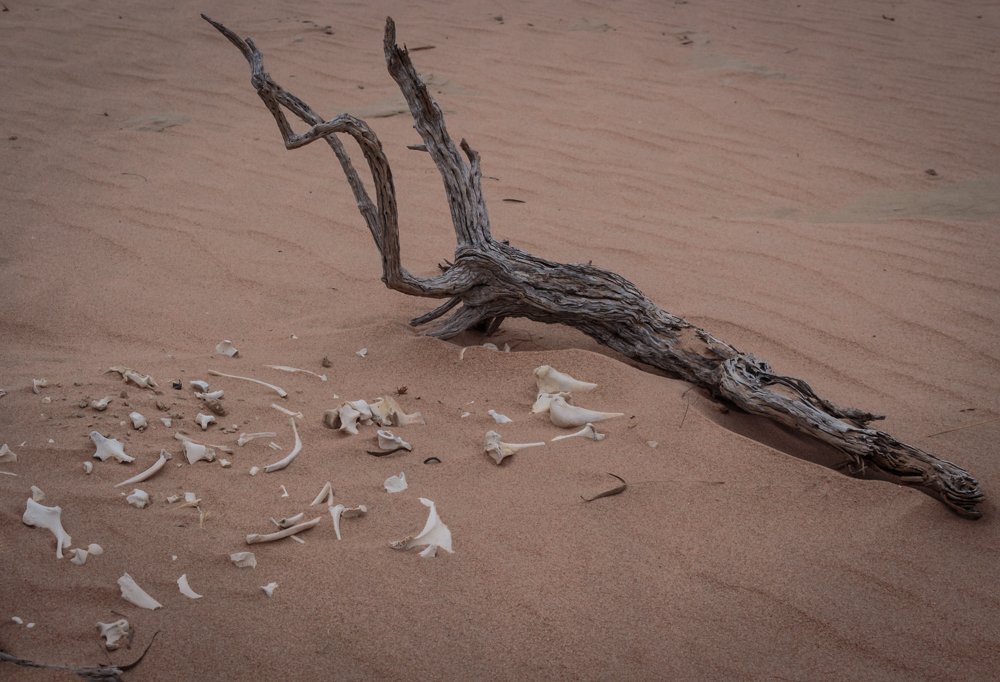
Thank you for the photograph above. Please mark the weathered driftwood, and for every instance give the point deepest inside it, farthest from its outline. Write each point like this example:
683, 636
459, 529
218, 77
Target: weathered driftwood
490, 280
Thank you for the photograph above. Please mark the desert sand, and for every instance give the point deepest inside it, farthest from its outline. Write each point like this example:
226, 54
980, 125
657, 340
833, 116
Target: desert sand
816, 183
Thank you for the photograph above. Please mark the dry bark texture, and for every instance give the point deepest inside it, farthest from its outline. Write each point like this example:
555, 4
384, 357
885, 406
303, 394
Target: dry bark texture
491, 280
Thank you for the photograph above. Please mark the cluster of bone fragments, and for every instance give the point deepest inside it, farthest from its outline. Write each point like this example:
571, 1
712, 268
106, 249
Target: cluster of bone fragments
555, 391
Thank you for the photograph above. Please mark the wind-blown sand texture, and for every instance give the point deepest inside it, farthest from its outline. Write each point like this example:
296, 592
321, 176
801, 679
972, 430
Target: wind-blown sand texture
815, 182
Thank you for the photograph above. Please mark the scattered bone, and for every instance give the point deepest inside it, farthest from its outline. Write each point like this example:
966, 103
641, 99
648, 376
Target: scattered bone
269, 588
290, 413
204, 420
280, 391
225, 463
190, 500
564, 415
16, 620
184, 438
88, 468
289, 521
244, 559
247, 437
340, 510
273, 445
487, 346
343, 418
185, 588
95, 549
128, 374
395, 484
325, 362
226, 348
617, 490
38, 384
114, 633
499, 418
434, 534
287, 459
139, 422
7, 456
254, 538
109, 447
389, 441
79, 556
209, 395
46, 400
136, 595
173, 498
284, 491
499, 450
551, 380
36, 493
544, 401
326, 493
166, 421
363, 353
30, 626
195, 452
40, 516
588, 431
254, 471
283, 368
387, 412
138, 499
199, 385
102, 404
652, 443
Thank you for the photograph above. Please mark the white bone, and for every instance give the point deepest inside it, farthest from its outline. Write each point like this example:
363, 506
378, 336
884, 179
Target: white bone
38, 384
155, 467
387, 441
196, 451
283, 368
7, 456
36, 493
499, 418
284, 491
284, 410
139, 422
244, 559
114, 633
387, 412
204, 420
588, 431
225, 463
551, 380
499, 450
326, 493
544, 401
131, 592
269, 588
109, 447
79, 556
565, 415
396, 484
435, 533
17, 620
95, 549
247, 437
184, 438
362, 353
209, 395
40, 516
185, 588
138, 499
128, 374
88, 468
199, 385
173, 498
340, 511
343, 418
102, 404
287, 459
166, 421
277, 389
254, 538
288, 521
254, 470
190, 500
226, 348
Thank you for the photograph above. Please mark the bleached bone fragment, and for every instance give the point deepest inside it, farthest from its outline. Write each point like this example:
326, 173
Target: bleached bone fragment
564, 415
204, 420
277, 389
362, 353
38, 384
395, 484
184, 438
225, 463
343, 418
173, 498
3, 392
247, 437
185, 588
287, 459
17, 620
46, 400
387, 440
199, 385
7, 456
434, 534
499, 450
36, 493
114, 634
209, 395
289, 521
167, 421
79, 556
340, 511
131, 592
226, 348
387, 412
88, 468
139, 422
138, 499
296, 370
283, 410
544, 401
128, 374
588, 431
95, 549
550, 380
273, 445
190, 500
254, 470
148, 473
499, 418
109, 447
325, 494
284, 491
254, 538
269, 588
102, 404
244, 559
195, 452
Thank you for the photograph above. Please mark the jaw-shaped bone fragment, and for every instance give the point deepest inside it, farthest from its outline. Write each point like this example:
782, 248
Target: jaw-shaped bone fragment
226, 348
287, 459
544, 401
499, 418
551, 380
102, 404
564, 415
325, 494
340, 511
139, 422
434, 534
131, 592
204, 420
155, 467
247, 437
244, 559
7, 456
115, 634
277, 389
138, 499
185, 588
109, 447
387, 440
588, 431
128, 374
296, 370
199, 385
40, 516
387, 412
196, 451
396, 484
254, 538
499, 450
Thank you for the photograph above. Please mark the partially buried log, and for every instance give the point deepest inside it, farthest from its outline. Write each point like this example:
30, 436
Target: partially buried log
491, 280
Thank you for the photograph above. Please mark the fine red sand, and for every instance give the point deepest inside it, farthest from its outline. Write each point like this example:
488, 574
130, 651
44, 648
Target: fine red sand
816, 183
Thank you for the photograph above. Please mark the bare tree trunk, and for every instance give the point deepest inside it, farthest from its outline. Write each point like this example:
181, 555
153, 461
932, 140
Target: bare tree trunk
491, 280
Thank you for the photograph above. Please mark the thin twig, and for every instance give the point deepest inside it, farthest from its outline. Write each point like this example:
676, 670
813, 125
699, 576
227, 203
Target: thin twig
967, 426
617, 490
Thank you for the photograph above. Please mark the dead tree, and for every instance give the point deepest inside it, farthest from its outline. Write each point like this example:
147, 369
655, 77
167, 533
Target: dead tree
490, 280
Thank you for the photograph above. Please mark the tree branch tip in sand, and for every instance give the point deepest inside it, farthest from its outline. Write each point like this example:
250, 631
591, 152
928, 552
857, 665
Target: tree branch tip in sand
491, 280
617, 490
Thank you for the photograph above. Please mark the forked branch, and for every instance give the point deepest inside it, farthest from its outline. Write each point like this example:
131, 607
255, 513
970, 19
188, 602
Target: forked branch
490, 281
